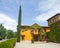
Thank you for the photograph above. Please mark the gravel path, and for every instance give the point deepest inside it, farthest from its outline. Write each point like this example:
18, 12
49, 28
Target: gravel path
28, 44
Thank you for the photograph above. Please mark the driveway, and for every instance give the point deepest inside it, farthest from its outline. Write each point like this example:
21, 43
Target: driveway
28, 44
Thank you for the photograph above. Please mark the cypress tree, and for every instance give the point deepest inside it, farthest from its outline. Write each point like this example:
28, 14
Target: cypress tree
19, 25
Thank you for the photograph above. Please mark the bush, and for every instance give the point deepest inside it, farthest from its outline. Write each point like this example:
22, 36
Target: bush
8, 43
32, 40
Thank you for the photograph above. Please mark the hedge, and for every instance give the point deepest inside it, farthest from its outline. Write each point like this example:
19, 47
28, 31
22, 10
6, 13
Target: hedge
8, 43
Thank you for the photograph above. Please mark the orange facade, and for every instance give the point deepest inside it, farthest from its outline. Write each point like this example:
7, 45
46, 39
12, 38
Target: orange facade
26, 34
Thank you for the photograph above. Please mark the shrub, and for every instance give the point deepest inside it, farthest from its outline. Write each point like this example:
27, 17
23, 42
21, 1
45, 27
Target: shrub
8, 43
32, 40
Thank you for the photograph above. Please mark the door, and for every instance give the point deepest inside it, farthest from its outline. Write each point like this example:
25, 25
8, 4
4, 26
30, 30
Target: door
35, 37
23, 37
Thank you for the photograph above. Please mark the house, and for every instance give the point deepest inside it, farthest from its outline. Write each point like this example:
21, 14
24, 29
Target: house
54, 23
54, 19
27, 32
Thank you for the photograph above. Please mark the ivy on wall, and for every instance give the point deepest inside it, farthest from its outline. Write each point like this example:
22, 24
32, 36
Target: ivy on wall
54, 34
41, 32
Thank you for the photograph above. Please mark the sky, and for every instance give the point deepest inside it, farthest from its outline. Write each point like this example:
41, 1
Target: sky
33, 11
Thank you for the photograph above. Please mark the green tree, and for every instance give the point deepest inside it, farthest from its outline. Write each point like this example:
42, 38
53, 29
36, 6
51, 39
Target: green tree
2, 31
15, 34
10, 34
19, 25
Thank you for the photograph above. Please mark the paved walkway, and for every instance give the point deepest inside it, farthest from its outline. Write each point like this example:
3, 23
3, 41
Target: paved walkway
28, 44
3, 40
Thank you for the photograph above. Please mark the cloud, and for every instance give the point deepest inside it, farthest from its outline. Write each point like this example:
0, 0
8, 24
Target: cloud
8, 22
45, 16
53, 7
23, 24
45, 5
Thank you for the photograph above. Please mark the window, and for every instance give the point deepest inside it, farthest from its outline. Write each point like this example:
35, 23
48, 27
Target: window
58, 26
59, 17
32, 30
23, 30
49, 22
39, 30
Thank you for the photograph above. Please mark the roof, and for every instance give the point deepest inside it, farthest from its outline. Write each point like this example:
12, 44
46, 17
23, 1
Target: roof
53, 16
35, 24
45, 26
